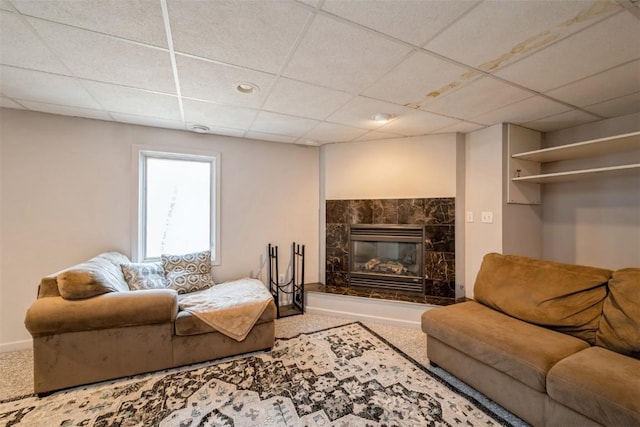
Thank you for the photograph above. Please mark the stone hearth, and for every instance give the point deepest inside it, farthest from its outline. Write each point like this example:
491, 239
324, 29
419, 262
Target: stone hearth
437, 215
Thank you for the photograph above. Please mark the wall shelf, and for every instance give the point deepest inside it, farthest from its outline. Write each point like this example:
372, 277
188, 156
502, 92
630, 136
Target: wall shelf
548, 178
585, 149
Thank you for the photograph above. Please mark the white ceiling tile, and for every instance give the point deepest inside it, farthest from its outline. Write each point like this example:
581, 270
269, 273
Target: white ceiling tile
139, 20
359, 112
480, 96
5, 5
420, 79
67, 111
21, 47
499, 32
312, 3
9, 103
302, 99
271, 137
148, 121
342, 57
254, 34
610, 84
522, 111
219, 130
605, 45
126, 100
217, 82
44, 87
210, 114
462, 127
374, 135
561, 121
98, 57
417, 122
332, 132
281, 124
413, 21
617, 107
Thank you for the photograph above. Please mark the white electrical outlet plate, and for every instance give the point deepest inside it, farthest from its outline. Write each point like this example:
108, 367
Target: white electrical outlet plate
469, 216
487, 217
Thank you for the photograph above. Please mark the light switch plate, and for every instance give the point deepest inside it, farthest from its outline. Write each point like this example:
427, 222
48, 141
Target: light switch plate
486, 217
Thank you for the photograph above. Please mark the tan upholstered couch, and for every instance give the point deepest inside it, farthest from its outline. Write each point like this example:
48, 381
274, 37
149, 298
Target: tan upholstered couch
79, 339
556, 344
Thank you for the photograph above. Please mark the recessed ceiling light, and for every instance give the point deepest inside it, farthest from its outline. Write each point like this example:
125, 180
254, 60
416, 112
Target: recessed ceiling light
199, 128
246, 87
383, 117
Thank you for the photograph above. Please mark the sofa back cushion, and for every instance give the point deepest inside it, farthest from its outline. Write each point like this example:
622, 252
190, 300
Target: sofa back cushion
619, 328
564, 297
94, 277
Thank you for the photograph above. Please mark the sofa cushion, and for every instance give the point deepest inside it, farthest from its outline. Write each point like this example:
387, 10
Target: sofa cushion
189, 272
97, 276
619, 328
188, 324
521, 350
599, 383
567, 298
144, 275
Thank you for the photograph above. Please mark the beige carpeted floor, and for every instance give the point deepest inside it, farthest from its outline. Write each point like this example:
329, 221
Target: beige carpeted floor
16, 378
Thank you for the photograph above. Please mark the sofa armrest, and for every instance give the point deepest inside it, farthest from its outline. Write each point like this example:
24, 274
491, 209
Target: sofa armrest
56, 315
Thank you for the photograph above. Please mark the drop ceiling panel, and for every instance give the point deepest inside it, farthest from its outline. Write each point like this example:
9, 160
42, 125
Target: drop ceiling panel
417, 123
139, 20
217, 82
219, 130
418, 79
462, 127
148, 121
302, 99
526, 110
326, 58
44, 87
254, 34
20, 46
413, 21
359, 112
614, 83
107, 59
617, 107
374, 135
332, 132
132, 101
561, 121
281, 124
67, 111
210, 114
271, 137
611, 42
499, 32
9, 103
481, 96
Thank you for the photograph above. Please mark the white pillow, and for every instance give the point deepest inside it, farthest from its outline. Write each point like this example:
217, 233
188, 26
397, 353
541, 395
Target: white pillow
189, 272
145, 275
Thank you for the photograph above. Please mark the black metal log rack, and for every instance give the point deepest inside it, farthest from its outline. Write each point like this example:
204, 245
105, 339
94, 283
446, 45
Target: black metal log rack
293, 288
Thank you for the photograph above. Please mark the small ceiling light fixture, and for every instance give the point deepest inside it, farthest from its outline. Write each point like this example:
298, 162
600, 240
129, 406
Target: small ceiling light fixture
199, 128
246, 87
383, 117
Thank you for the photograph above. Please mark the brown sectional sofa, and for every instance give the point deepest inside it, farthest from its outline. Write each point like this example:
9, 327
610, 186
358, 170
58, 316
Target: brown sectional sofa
120, 332
556, 344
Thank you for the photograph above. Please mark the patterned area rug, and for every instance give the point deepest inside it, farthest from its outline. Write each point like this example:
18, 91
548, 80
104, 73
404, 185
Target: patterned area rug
344, 376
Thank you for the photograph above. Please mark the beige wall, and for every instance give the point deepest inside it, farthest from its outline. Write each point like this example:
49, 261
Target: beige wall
595, 221
65, 195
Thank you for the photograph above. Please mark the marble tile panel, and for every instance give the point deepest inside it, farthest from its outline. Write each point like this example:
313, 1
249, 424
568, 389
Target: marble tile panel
440, 288
440, 265
337, 279
440, 238
338, 237
336, 211
411, 211
385, 211
360, 212
440, 211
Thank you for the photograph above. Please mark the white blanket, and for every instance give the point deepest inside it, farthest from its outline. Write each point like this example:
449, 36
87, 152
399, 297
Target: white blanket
232, 308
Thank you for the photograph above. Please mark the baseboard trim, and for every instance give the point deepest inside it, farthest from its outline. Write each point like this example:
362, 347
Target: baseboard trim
394, 313
15, 346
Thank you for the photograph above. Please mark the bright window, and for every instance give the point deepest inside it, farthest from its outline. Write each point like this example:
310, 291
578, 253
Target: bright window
177, 201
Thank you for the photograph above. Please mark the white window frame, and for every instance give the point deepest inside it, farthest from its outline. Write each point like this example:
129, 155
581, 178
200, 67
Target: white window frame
140, 153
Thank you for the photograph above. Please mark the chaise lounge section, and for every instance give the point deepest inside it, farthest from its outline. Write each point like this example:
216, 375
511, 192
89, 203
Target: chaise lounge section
86, 337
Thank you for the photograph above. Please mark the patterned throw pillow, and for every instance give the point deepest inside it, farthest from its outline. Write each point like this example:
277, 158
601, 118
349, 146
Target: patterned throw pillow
144, 275
189, 272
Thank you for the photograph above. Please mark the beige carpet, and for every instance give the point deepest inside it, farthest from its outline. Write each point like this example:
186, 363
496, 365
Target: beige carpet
17, 366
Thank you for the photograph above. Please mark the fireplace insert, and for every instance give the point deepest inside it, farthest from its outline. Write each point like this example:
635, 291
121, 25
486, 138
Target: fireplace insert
387, 257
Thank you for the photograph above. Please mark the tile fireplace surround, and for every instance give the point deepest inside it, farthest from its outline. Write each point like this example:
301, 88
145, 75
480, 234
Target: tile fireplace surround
437, 215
